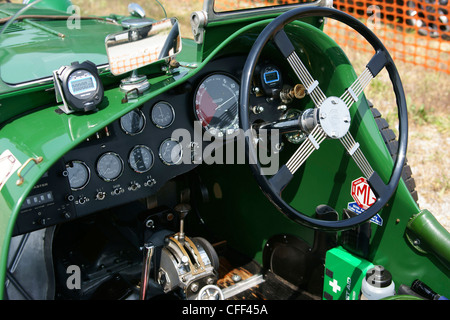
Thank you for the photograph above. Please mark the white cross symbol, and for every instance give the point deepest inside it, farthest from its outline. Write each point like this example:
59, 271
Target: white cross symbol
335, 286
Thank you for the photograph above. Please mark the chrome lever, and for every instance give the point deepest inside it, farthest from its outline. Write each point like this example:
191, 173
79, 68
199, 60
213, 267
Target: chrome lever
148, 249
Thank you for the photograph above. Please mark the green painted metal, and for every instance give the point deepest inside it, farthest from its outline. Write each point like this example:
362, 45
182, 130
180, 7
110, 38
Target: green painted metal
61, 5
35, 48
250, 220
425, 233
28, 136
45, 46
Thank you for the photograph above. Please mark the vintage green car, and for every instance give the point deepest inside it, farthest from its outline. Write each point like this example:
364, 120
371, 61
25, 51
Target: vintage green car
240, 162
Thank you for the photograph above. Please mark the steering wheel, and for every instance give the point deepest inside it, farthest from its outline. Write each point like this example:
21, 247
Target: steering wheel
329, 119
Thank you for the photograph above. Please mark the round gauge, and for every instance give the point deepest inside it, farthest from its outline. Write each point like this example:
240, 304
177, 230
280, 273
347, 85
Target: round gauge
109, 166
170, 152
141, 158
133, 122
78, 173
162, 114
297, 136
216, 104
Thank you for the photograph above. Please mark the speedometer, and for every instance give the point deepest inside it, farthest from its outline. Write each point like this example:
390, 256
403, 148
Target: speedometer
216, 104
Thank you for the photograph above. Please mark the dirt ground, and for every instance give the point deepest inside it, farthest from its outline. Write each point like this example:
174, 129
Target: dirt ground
428, 98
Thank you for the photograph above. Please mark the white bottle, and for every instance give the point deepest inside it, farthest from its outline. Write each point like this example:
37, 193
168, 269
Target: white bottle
377, 284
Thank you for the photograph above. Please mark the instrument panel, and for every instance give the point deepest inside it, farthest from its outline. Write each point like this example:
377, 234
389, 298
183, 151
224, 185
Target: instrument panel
128, 160
134, 156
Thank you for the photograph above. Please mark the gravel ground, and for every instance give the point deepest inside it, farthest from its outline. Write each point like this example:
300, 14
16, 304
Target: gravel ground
428, 153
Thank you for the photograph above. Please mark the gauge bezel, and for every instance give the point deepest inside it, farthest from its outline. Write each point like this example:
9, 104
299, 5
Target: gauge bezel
121, 163
288, 136
236, 119
88, 174
171, 109
131, 152
162, 158
141, 113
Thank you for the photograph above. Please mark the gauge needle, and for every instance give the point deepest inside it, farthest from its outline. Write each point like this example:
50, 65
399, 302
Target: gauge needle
224, 103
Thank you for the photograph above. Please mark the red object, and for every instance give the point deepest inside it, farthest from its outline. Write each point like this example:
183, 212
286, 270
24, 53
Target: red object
362, 193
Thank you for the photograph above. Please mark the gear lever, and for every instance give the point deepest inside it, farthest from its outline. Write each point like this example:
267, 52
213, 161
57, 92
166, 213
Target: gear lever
149, 248
182, 210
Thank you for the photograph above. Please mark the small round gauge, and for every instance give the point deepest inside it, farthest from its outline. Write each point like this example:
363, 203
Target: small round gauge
216, 104
78, 173
297, 136
141, 158
170, 152
109, 166
133, 122
162, 114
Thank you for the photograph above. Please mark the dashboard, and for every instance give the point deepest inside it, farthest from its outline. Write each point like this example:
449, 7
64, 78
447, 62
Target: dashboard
134, 156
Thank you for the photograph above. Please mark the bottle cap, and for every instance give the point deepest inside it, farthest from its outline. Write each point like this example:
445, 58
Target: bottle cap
378, 277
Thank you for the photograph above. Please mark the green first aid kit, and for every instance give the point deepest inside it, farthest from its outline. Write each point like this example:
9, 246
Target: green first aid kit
344, 273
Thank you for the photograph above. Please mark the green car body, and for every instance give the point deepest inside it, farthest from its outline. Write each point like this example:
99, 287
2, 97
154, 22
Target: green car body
31, 127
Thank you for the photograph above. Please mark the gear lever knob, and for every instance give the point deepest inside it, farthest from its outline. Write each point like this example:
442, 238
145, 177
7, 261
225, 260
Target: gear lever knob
182, 210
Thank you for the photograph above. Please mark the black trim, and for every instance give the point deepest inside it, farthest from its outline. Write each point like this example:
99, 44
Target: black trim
283, 43
377, 63
281, 179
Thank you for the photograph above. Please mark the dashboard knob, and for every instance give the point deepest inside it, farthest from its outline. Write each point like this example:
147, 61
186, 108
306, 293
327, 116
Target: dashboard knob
82, 200
101, 195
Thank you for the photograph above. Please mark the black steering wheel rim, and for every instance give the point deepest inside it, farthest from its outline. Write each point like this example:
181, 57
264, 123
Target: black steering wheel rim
269, 31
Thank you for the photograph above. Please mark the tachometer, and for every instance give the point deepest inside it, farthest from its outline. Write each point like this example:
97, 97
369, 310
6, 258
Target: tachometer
216, 104
109, 166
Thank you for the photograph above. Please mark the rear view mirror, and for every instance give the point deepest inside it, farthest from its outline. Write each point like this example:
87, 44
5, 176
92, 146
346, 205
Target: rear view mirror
142, 45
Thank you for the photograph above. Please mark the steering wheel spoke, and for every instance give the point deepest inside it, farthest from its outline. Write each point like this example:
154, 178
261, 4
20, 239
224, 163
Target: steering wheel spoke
372, 177
287, 49
357, 155
375, 65
282, 178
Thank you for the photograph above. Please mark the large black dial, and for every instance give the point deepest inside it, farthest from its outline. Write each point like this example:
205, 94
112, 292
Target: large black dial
216, 104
